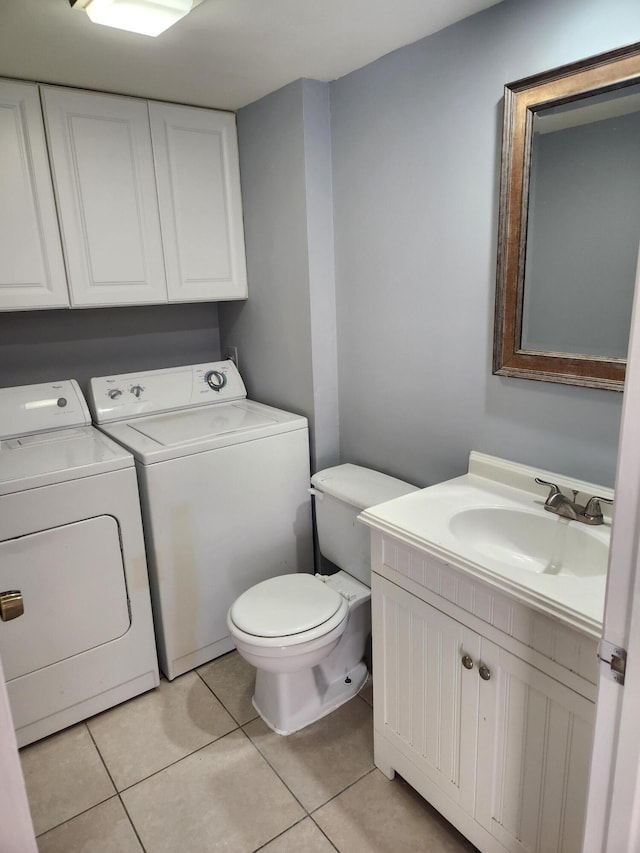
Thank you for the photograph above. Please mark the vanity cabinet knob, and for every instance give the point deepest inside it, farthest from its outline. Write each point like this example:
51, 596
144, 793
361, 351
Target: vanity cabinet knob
467, 662
485, 672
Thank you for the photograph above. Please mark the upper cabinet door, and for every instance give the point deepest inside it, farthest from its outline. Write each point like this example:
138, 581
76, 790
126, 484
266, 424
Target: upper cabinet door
102, 165
198, 178
32, 270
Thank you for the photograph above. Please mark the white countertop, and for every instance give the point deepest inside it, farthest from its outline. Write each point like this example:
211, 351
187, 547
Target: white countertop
423, 519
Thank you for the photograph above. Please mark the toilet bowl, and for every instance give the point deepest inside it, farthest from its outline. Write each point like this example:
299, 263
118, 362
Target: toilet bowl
288, 623
306, 634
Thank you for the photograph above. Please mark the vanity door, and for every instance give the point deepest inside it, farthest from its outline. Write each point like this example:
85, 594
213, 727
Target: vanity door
426, 700
534, 751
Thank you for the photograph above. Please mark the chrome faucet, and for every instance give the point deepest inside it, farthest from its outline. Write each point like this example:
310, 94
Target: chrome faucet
560, 504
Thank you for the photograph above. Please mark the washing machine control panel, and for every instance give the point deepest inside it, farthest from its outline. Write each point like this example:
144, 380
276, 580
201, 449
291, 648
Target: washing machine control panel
114, 398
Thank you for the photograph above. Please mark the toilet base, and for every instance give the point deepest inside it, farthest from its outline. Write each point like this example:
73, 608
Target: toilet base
289, 701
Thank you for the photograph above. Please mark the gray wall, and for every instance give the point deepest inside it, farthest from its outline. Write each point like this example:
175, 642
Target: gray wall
43, 346
416, 154
286, 331
582, 238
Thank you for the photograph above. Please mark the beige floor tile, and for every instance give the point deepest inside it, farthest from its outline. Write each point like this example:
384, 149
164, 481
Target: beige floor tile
224, 797
321, 760
64, 775
304, 837
152, 731
232, 679
379, 816
103, 829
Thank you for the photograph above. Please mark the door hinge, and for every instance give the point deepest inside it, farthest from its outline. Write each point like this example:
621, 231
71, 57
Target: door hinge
615, 660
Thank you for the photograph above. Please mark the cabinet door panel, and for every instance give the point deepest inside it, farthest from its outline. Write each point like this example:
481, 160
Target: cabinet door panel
198, 181
429, 702
104, 180
32, 271
541, 734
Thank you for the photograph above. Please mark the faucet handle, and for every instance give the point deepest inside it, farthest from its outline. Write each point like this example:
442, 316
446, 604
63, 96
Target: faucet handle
592, 510
553, 489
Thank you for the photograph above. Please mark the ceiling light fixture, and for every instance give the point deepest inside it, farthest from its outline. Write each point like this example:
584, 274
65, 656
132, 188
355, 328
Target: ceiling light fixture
148, 17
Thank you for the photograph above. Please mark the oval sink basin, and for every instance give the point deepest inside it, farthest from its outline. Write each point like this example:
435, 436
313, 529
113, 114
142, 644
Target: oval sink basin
541, 543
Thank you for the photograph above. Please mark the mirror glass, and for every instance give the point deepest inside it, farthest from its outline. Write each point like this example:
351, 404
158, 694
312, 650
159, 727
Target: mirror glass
570, 222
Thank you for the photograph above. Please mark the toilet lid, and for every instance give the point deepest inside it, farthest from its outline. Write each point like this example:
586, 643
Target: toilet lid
285, 605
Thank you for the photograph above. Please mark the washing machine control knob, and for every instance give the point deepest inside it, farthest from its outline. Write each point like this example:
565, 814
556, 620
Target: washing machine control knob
215, 380
114, 393
136, 390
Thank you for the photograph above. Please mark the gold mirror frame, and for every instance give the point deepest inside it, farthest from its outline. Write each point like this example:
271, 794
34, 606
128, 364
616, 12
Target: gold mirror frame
597, 74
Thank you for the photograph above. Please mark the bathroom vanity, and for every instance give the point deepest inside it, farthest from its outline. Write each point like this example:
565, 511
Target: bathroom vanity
487, 612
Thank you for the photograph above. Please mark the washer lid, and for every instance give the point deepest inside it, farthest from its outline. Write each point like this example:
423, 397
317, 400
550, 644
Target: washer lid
285, 605
198, 424
158, 438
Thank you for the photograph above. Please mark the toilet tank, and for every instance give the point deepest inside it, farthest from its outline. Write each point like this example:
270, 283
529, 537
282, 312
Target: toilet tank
342, 492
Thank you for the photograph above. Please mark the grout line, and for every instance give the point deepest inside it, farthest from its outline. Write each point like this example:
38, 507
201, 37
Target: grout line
366, 701
280, 834
269, 764
315, 823
73, 817
335, 796
133, 826
308, 813
210, 688
346, 788
104, 763
178, 760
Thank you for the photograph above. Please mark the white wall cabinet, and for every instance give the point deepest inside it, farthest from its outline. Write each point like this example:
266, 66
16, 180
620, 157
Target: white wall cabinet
102, 164
32, 271
504, 757
198, 179
148, 201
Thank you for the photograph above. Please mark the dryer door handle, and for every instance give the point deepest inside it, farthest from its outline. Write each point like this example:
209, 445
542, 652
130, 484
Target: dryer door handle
11, 604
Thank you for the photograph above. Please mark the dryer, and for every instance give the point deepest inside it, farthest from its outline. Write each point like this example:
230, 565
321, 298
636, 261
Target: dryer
224, 492
76, 629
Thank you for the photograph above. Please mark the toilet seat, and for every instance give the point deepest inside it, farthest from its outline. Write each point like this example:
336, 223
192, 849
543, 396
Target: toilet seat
287, 610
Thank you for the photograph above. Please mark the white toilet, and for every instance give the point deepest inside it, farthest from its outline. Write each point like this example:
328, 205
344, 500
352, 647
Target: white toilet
306, 635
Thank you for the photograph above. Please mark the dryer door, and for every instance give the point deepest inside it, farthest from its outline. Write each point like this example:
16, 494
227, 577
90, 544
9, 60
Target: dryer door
74, 592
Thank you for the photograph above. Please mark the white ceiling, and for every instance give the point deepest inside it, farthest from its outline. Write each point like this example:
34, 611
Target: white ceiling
225, 53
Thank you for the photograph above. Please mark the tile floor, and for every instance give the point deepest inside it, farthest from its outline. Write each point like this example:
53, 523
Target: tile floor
190, 767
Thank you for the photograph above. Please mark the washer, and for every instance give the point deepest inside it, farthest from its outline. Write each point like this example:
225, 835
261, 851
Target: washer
72, 555
224, 490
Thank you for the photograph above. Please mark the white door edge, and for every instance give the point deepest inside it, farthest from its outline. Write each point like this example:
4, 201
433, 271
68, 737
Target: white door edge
613, 809
16, 827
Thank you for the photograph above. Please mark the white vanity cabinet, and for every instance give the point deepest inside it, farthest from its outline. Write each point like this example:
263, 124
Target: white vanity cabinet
198, 181
102, 163
484, 705
32, 271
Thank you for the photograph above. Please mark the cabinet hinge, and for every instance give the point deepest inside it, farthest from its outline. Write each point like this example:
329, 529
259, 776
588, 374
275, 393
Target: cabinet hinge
614, 659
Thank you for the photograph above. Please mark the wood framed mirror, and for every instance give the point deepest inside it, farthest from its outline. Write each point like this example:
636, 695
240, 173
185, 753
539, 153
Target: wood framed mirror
569, 222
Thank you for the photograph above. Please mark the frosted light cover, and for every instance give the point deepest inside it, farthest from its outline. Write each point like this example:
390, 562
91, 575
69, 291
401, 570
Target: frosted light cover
148, 17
